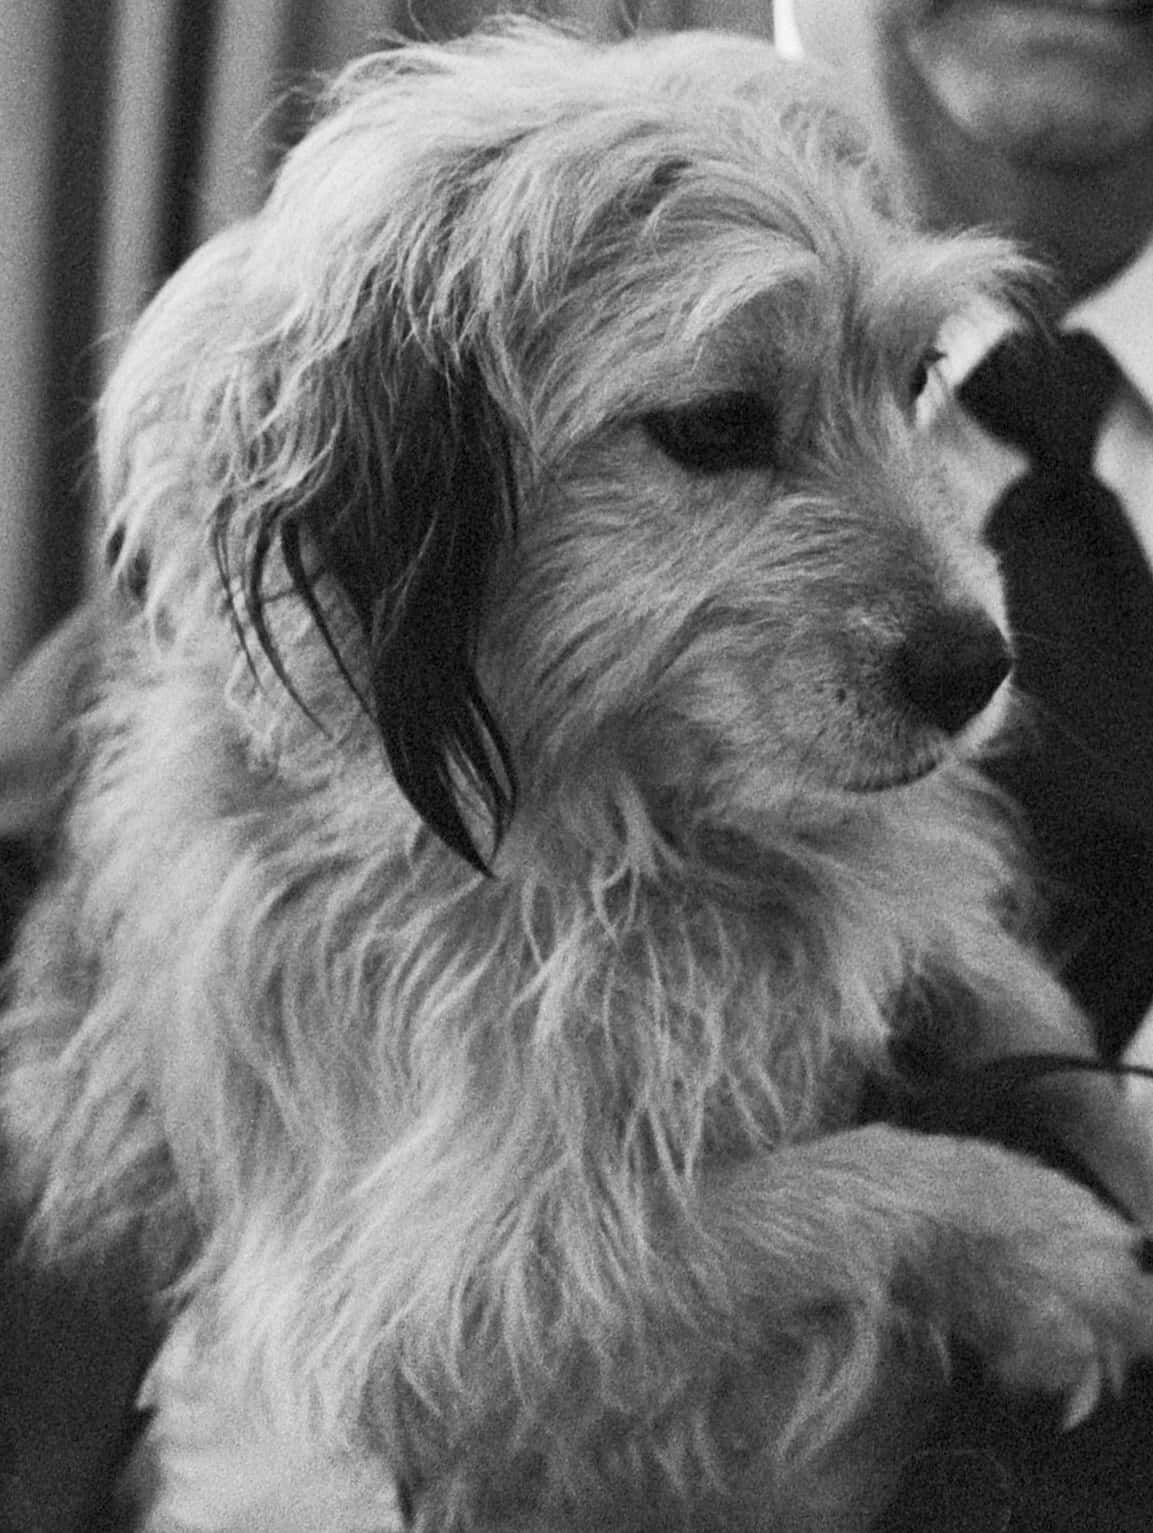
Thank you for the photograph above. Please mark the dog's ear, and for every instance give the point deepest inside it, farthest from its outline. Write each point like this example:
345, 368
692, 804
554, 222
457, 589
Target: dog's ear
408, 494
348, 446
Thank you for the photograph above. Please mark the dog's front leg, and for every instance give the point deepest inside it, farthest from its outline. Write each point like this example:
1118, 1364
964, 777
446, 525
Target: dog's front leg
800, 1307
945, 1238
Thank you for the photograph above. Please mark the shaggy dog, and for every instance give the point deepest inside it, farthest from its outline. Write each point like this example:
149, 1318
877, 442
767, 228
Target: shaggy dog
529, 763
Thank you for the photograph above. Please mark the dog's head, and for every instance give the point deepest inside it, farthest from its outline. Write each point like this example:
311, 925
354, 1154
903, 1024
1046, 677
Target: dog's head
559, 416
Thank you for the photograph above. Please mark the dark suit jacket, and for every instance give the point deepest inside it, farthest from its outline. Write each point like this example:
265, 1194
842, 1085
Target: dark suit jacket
72, 1354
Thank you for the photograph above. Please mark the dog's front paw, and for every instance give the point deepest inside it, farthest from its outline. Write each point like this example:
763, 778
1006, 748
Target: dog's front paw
1065, 1301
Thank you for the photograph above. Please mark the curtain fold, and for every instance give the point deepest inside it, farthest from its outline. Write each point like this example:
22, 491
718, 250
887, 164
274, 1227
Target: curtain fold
131, 130
55, 66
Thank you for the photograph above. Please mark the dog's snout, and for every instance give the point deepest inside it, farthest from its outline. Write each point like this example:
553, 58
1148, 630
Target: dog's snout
949, 668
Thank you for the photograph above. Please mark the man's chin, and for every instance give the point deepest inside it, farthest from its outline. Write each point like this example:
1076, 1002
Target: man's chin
1054, 87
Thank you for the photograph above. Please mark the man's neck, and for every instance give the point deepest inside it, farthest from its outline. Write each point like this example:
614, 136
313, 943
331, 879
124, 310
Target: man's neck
1045, 211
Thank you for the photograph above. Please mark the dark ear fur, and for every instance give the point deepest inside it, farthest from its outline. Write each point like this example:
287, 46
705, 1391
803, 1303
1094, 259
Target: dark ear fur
406, 520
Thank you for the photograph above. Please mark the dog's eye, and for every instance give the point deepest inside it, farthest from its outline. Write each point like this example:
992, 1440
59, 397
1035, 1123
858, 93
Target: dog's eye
726, 432
923, 372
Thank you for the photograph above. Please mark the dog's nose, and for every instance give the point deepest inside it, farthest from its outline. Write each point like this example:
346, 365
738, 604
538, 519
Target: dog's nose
950, 667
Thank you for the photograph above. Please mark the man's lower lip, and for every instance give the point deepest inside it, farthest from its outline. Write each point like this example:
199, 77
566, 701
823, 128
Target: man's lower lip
1089, 10
1060, 21
1088, 7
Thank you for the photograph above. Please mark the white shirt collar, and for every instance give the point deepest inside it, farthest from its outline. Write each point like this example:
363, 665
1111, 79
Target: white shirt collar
786, 38
1120, 315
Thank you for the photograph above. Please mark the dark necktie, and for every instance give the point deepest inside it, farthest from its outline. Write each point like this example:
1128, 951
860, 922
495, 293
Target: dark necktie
1080, 599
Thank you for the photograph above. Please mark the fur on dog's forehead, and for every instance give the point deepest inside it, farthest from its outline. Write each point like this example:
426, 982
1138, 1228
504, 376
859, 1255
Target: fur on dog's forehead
505, 176
573, 211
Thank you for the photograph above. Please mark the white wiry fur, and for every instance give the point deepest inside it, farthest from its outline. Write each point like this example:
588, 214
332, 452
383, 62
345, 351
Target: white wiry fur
500, 1127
